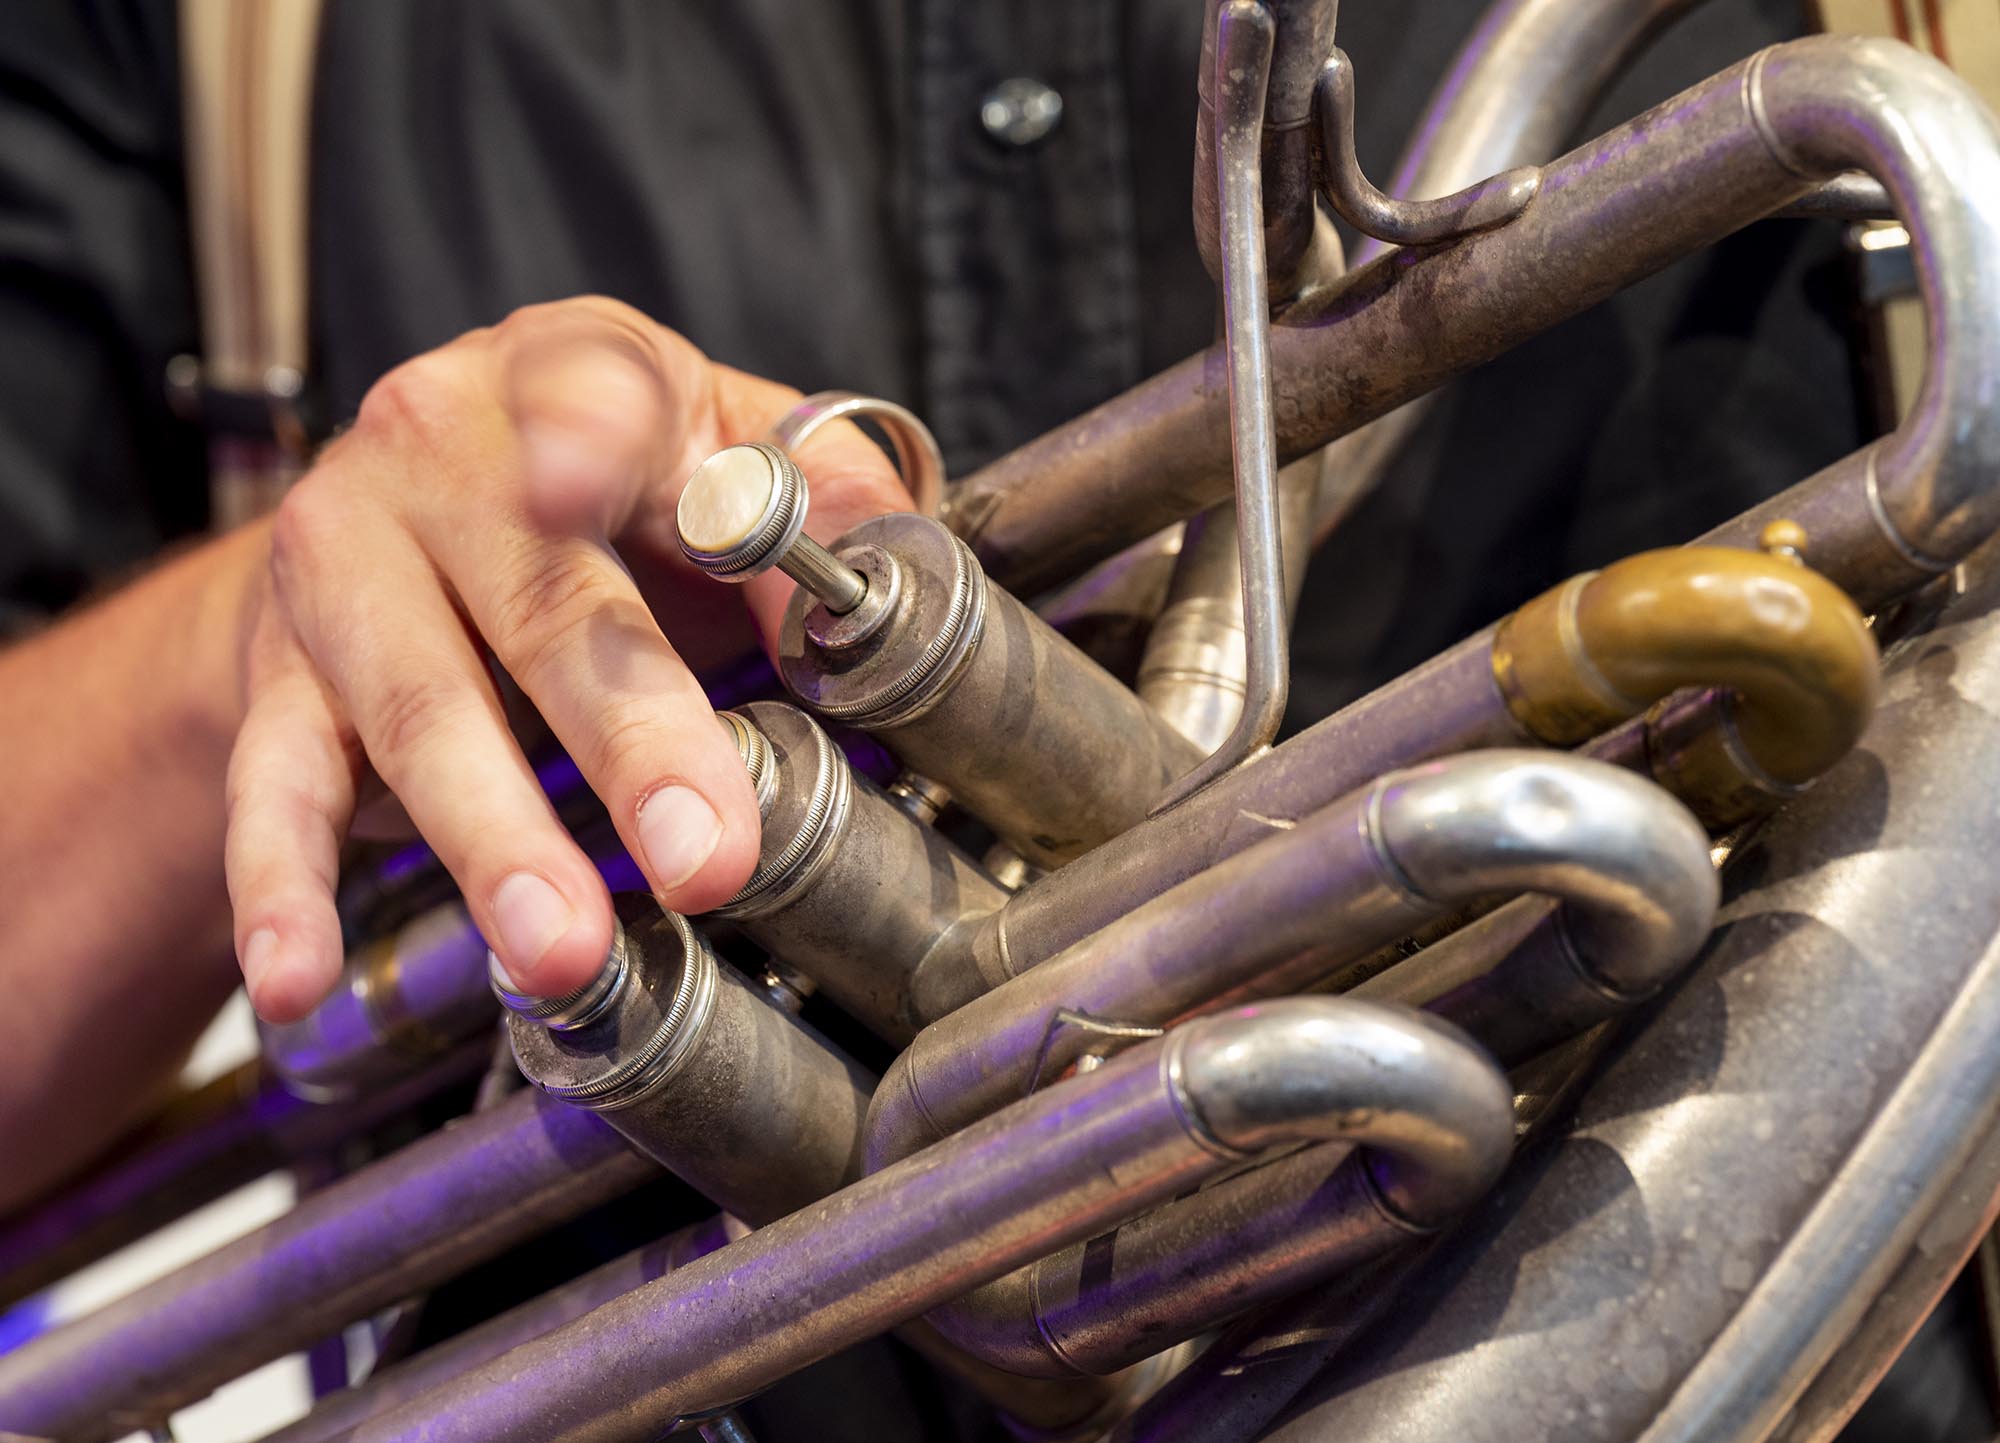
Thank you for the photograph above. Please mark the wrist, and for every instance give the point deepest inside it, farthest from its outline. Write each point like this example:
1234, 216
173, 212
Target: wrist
203, 605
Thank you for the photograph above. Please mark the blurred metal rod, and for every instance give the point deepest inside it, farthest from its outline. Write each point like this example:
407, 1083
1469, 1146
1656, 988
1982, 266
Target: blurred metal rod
400, 1226
1049, 1170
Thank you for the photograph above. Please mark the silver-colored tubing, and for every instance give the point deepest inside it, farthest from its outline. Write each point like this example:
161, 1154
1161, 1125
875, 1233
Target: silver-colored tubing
849, 888
1049, 1170
1631, 863
1451, 702
397, 1227
1904, 508
1289, 221
401, 1001
1718, 156
1707, 158
341, 1411
1259, 1236
1245, 36
918, 459
1488, 202
1434, 1122
1855, 917
1833, 1266
1194, 671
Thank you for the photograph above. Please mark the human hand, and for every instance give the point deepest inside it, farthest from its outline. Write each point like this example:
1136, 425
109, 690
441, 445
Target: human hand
473, 507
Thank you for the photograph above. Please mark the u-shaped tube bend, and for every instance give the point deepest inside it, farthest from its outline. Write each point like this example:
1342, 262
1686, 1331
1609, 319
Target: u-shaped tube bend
1629, 863
1603, 646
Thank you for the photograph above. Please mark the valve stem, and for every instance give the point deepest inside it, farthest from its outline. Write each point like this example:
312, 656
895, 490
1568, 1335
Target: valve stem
742, 514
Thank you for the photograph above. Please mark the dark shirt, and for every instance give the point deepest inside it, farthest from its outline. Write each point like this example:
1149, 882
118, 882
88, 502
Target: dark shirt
806, 190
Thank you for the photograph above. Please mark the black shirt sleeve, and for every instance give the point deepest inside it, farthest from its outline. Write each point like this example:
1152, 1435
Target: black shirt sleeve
96, 294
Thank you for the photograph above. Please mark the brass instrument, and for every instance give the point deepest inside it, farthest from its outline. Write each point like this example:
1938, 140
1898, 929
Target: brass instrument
1594, 1033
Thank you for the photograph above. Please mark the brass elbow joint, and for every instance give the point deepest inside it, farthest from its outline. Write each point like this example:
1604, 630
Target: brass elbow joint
1789, 645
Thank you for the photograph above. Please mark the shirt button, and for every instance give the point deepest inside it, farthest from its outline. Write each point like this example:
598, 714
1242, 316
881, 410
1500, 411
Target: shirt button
1020, 111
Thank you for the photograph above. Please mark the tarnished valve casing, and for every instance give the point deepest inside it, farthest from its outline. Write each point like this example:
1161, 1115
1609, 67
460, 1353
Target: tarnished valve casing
900, 633
701, 1073
968, 686
850, 888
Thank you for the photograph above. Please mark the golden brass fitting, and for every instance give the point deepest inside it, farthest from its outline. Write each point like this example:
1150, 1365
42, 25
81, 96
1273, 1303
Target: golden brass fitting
1787, 642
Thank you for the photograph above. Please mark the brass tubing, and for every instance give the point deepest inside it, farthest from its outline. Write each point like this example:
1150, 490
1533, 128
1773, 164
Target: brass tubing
1601, 647
1705, 163
849, 888
1047, 1171
1788, 635
1631, 864
397, 1227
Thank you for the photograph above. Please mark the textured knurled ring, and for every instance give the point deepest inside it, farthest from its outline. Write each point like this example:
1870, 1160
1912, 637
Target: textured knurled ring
660, 1055
572, 1009
773, 872
964, 617
758, 758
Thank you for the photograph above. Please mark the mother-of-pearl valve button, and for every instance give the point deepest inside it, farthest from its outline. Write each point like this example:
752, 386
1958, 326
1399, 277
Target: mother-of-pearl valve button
741, 514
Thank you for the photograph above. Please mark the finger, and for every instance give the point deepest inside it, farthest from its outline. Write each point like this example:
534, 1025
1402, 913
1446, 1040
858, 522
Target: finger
602, 400
849, 478
290, 797
426, 712
566, 621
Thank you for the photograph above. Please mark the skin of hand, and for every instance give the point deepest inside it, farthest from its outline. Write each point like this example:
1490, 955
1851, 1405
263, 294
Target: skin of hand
505, 500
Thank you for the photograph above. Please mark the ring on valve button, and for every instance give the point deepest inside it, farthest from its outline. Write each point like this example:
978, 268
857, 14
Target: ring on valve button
918, 459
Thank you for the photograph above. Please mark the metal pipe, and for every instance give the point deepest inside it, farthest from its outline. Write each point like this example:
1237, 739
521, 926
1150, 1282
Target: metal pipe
1245, 36
1619, 851
1516, 92
1434, 1125
850, 888
203, 1145
401, 1000
1706, 162
397, 1227
339, 1412
1854, 918
1956, 1232
1788, 634
1287, 218
1048, 1170
1491, 201
748, 1106
1838, 1259
1790, 646
1262, 1235
961, 681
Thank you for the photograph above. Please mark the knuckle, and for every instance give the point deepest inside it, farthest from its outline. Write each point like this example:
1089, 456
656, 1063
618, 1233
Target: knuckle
418, 399
411, 707
546, 609
625, 748
306, 526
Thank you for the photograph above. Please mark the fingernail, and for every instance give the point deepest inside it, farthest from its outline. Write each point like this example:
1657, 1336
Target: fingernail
678, 831
531, 917
259, 952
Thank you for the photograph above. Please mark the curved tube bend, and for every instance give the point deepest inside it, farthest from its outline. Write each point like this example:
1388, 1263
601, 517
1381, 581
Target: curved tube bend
1602, 646
1050, 1170
1918, 500
1629, 862
1434, 1120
